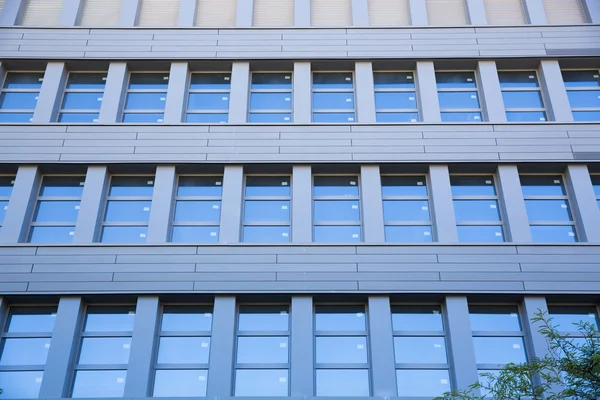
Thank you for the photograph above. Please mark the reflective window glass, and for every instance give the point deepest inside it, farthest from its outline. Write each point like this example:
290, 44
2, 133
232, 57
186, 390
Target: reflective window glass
416, 234
476, 210
23, 80
518, 79
542, 185
183, 350
333, 117
336, 234
197, 211
403, 186
548, 210
499, 350
406, 210
455, 80
267, 186
472, 185
394, 100
266, 211
6, 185
417, 318
522, 99
91, 384
271, 80
145, 101
589, 78
208, 81
262, 350
109, 319
31, 319
333, 101
208, 118
86, 80
411, 349
335, 186
180, 383
340, 318
270, 101
78, 117
526, 116
553, 234
263, 318
461, 116
270, 118
124, 234
397, 117
143, 118
18, 101
394, 80
587, 98
184, 319
131, 186
149, 81
82, 101
127, 211
51, 234
195, 234
336, 80
451, 100
15, 117
480, 234
21, 384
567, 318
208, 101
200, 186
342, 382
62, 186
577, 115
24, 351
105, 350
266, 234
56, 211
333, 210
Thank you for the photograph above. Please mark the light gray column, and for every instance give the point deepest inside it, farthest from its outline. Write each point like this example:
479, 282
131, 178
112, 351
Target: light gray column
141, 355
418, 13
162, 201
372, 205
534, 9
92, 204
360, 13
383, 363
301, 204
583, 199
12, 12
592, 8
428, 97
365, 92
220, 369
476, 12
460, 340
70, 12
516, 221
129, 12
58, 369
302, 14
50, 93
187, 13
238, 98
176, 92
553, 86
302, 91
444, 220
233, 183
302, 343
491, 94
20, 205
245, 13
112, 100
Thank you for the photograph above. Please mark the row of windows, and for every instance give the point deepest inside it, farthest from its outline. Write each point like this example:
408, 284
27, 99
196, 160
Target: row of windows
337, 212
271, 93
273, 13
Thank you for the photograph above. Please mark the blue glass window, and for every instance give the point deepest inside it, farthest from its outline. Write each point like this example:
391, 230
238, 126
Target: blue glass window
19, 95
208, 102
78, 117
567, 318
262, 350
209, 97
198, 211
266, 234
577, 115
417, 318
29, 351
406, 210
109, 319
333, 97
208, 118
333, 101
82, 98
333, 117
458, 97
584, 78
31, 320
341, 350
402, 186
480, 234
270, 101
271, 97
595, 185
342, 382
408, 234
267, 211
422, 382
553, 233
542, 185
584, 94
494, 318
522, 96
267, 201
145, 101
135, 186
518, 79
51, 234
261, 382
105, 350
18, 101
451, 80
127, 211
146, 118
103, 383
336, 208
499, 350
195, 234
270, 118
449, 100
263, 318
183, 350
180, 383
395, 97
21, 384
340, 318
146, 97
461, 116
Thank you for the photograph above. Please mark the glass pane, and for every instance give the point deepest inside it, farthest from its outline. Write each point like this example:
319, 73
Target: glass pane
266, 234
577, 115
143, 118
336, 210
29, 80
99, 384
124, 234
82, 101
548, 210
3, 208
220, 81
183, 350
542, 185
333, 101
494, 318
200, 186
105, 350
127, 211
145, 101
208, 118
209, 101
31, 319
522, 99
426, 350
261, 382
457, 100
408, 234
186, 319
584, 98
262, 350
461, 117
417, 318
198, 211
16, 117
263, 318
455, 80
422, 382
270, 118
52, 234
78, 117
18, 101
397, 117
526, 116
21, 384
24, 351
6, 185
109, 319
394, 80
272, 81
336, 80
567, 317
553, 234
62, 186
335, 186
403, 186
472, 185
499, 350
589, 78
180, 383
480, 234
266, 211
406, 210
343, 382
131, 186
95, 81
476, 210
271, 101
56, 211
509, 79
336, 234
267, 186
333, 117
195, 234
391, 100
341, 350
340, 318
149, 81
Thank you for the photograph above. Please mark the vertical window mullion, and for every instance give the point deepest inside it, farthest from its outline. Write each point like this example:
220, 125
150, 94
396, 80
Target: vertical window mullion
19, 96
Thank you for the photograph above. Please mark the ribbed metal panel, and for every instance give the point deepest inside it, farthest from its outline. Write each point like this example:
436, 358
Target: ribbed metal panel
273, 13
42, 12
504, 12
159, 13
446, 12
389, 12
216, 12
330, 12
100, 12
565, 11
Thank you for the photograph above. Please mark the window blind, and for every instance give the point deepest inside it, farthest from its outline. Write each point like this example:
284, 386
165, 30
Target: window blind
100, 12
330, 12
389, 12
42, 12
564, 11
504, 12
216, 12
159, 13
273, 13
446, 12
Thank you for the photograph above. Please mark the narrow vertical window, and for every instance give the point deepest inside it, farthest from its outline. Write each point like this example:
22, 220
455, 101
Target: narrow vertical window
522, 96
127, 209
146, 97
271, 97
341, 351
406, 209
458, 96
583, 89
183, 352
6, 187
595, 184
333, 97
548, 209
267, 201
57, 209
395, 97
197, 209
208, 97
82, 98
478, 216
19, 96
262, 352
25, 342
336, 209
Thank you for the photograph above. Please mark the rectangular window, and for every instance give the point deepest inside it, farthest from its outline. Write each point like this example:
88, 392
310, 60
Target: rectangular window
596, 186
100, 13
42, 12
262, 351
389, 12
19, 96
547, 204
458, 96
56, 209
406, 209
476, 208
330, 12
267, 202
127, 209
446, 12
583, 89
271, 13
197, 212
271, 98
336, 209
6, 187
564, 12
341, 351
25, 342
208, 97
103, 357
83, 97
422, 367
522, 96
505, 12
183, 352
216, 13
395, 97
568, 318
146, 97
333, 97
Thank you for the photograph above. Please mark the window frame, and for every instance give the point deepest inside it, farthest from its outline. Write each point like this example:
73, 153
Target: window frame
476, 89
20, 90
352, 90
67, 90
582, 89
6, 199
398, 90
272, 91
128, 91
190, 91
537, 89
